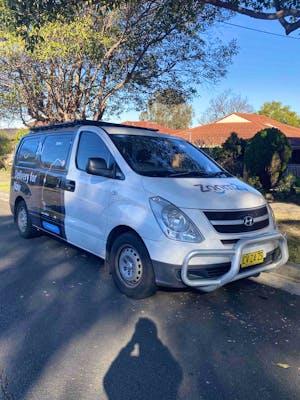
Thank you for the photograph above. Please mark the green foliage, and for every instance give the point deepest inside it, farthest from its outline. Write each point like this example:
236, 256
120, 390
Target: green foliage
230, 155
267, 155
233, 154
65, 60
23, 15
5, 149
255, 182
214, 152
277, 111
169, 108
19, 134
5, 145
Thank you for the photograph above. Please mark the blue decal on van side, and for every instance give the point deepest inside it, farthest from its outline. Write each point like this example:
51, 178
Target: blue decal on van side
50, 227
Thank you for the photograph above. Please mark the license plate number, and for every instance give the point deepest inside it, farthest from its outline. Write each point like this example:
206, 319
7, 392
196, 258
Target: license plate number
249, 259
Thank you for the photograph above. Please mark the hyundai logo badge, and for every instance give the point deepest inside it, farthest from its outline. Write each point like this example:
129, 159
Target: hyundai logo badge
248, 220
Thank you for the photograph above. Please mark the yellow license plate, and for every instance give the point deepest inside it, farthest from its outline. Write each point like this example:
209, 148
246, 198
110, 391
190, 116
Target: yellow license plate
257, 257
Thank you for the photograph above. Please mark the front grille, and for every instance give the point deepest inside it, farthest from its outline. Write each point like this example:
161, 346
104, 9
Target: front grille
239, 221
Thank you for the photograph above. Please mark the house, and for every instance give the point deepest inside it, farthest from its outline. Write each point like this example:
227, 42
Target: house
246, 126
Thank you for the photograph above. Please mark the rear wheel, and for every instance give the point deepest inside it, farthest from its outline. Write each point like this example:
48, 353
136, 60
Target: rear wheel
26, 230
131, 266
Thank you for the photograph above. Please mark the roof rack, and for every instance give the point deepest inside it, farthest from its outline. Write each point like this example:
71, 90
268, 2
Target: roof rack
77, 122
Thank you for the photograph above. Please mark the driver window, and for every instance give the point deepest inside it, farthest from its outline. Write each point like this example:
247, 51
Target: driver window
91, 146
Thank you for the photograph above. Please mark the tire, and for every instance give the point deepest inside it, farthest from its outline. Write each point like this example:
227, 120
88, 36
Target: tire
131, 267
25, 228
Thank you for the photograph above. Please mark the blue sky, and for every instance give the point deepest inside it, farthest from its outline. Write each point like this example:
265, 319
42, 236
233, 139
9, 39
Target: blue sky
266, 68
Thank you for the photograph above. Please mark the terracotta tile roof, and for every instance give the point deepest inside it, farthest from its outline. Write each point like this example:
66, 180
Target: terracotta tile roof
217, 132
153, 125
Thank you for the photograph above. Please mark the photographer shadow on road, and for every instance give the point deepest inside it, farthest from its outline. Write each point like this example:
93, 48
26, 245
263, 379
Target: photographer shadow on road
144, 369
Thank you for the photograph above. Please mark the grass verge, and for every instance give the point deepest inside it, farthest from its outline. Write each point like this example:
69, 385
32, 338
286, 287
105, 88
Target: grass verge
4, 181
288, 220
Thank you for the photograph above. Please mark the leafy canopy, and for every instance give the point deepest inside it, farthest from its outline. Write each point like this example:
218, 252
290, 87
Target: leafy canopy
281, 113
102, 56
25, 14
169, 108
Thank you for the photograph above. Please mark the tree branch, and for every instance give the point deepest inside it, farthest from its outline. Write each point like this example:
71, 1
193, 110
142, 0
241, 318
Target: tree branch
280, 14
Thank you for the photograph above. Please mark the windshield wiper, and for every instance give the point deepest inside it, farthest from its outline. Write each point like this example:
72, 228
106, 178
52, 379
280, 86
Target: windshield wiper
189, 173
219, 174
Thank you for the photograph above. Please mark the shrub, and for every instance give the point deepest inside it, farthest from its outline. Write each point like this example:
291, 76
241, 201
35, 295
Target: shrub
255, 182
230, 155
267, 155
233, 154
287, 183
5, 145
19, 134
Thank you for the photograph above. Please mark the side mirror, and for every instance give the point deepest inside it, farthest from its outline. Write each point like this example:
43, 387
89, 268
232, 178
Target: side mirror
98, 166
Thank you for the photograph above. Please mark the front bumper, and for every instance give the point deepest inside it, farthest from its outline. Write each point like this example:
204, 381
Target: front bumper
235, 255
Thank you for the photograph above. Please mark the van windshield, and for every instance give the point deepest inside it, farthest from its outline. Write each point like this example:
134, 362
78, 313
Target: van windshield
165, 157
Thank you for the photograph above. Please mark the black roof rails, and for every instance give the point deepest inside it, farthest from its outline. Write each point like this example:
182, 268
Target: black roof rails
77, 122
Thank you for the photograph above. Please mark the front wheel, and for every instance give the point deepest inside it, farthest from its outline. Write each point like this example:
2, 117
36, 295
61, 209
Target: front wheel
131, 266
26, 230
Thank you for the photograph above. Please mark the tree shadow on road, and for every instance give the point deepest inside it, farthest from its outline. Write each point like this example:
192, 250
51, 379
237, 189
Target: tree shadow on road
144, 369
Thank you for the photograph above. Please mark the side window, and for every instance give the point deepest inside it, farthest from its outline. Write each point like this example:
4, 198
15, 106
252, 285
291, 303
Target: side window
27, 153
55, 151
91, 146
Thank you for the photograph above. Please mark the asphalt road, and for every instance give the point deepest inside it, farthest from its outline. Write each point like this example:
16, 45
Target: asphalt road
67, 333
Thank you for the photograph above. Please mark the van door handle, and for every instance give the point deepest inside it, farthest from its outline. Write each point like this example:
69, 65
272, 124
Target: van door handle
68, 185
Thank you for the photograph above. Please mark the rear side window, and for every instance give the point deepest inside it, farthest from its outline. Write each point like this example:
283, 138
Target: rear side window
91, 146
55, 151
27, 154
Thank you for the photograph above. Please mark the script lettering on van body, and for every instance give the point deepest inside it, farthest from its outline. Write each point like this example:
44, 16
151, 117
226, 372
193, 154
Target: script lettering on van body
25, 176
221, 189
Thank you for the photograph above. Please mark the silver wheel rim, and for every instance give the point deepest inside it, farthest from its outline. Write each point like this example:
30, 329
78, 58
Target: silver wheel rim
130, 266
22, 219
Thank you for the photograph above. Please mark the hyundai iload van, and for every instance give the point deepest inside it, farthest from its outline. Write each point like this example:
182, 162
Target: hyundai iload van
156, 208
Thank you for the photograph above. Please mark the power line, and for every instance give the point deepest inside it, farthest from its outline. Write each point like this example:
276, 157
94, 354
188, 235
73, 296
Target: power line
261, 31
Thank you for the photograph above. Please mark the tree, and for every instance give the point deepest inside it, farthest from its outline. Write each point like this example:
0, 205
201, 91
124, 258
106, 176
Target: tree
224, 104
5, 149
169, 108
5, 145
267, 155
25, 14
233, 154
19, 134
286, 12
277, 111
105, 56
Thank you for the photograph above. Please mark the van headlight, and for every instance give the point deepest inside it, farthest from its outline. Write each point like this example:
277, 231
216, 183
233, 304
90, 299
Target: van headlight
173, 222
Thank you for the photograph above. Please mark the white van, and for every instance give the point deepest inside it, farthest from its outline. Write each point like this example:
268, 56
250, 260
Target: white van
156, 208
